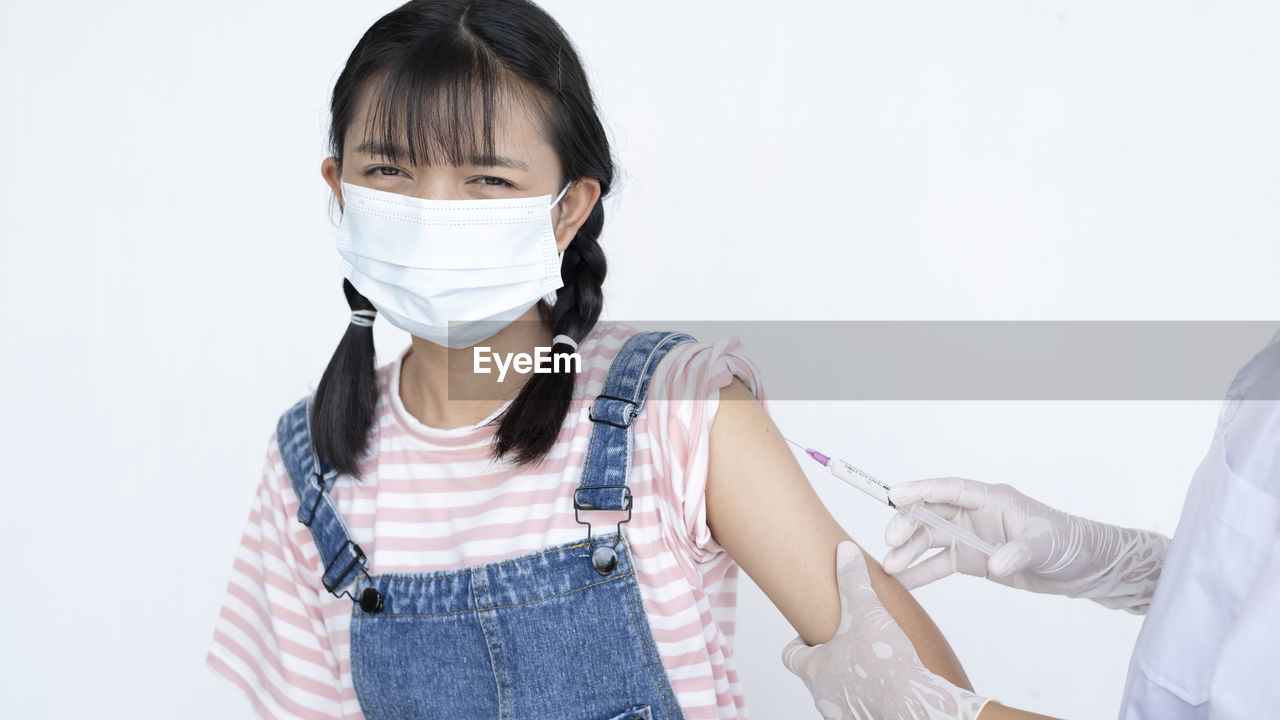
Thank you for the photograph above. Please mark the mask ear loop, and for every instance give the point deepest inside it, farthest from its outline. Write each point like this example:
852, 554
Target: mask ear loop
562, 192
551, 296
553, 204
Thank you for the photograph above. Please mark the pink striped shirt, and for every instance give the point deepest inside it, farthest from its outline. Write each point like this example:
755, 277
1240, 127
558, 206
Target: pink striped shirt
431, 499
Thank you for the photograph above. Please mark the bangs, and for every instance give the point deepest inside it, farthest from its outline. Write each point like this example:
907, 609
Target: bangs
443, 98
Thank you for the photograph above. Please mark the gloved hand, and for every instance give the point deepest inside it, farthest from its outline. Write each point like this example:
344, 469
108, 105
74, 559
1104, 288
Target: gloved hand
869, 670
1038, 548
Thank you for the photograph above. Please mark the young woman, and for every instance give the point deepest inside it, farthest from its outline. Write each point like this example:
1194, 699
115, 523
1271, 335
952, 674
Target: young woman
417, 546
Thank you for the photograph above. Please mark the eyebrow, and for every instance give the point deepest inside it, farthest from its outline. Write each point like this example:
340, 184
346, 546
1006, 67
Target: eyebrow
374, 147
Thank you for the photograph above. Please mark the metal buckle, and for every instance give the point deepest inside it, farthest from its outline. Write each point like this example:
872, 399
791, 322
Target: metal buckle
314, 505
579, 505
358, 560
591, 413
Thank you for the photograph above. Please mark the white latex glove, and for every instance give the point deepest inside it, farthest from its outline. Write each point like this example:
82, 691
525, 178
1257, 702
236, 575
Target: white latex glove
1038, 548
869, 670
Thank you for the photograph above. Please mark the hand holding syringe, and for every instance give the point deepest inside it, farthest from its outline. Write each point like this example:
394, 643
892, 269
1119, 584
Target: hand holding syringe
880, 492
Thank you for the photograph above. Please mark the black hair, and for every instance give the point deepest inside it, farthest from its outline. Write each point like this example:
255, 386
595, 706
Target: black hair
427, 62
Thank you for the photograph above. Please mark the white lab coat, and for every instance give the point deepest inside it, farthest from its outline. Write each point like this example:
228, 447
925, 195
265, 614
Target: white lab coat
1210, 644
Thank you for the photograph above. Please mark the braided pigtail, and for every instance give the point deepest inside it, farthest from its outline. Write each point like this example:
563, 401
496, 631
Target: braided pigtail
531, 423
342, 412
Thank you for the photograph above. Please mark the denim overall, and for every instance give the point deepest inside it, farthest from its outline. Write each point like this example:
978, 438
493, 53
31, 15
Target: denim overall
557, 633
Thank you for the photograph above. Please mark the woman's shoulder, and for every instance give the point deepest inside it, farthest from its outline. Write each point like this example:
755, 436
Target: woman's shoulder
689, 370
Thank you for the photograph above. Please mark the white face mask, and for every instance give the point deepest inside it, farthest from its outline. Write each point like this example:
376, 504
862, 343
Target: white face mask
453, 272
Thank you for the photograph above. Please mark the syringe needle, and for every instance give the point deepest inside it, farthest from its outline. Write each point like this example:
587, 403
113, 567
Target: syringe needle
880, 492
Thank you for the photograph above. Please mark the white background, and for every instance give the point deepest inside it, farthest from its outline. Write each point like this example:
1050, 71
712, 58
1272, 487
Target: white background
170, 283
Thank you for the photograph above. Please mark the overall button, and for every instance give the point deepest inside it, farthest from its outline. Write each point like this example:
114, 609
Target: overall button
371, 601
604, 559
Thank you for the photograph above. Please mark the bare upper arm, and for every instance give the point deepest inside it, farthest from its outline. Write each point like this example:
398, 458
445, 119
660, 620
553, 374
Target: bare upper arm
763, 512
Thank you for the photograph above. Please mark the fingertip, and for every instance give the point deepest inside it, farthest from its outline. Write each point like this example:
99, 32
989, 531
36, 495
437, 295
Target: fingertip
849, 557
898, 530
843, 549
893, 563
794, 653
934, 567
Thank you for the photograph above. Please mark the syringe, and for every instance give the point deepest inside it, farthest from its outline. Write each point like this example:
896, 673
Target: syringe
878, 490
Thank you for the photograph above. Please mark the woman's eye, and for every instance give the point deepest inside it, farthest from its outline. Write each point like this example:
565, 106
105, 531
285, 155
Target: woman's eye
494, 181
379, 171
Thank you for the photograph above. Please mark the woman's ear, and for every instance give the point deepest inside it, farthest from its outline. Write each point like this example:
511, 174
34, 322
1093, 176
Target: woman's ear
575, 208
332, 175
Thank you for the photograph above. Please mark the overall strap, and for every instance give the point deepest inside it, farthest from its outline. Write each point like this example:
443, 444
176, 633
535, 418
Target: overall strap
608, 463
311, 476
